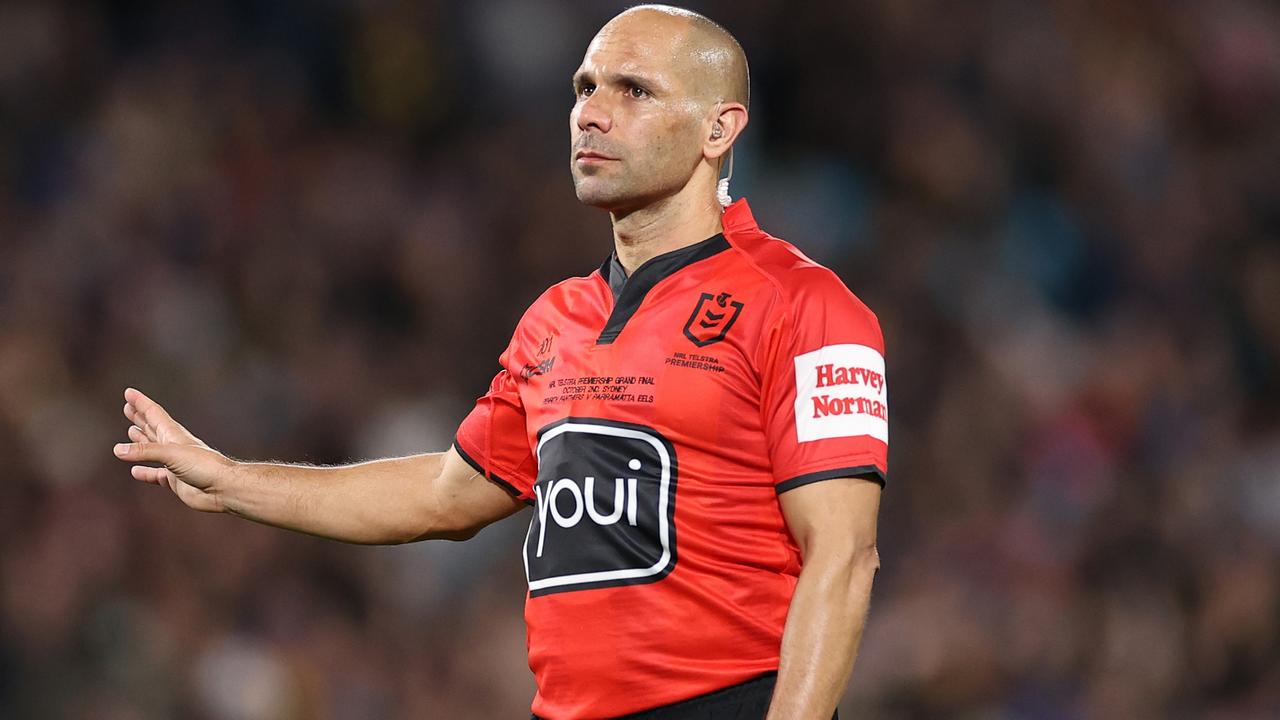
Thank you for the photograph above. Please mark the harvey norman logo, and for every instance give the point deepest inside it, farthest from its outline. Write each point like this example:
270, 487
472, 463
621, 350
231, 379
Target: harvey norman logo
840, 392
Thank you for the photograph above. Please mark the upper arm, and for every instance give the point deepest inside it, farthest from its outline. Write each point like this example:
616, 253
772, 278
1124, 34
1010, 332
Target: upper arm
465, 501
825, 406
488, 473
824, 400
835, 517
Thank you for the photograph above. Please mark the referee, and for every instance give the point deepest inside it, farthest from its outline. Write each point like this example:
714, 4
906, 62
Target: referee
699, 427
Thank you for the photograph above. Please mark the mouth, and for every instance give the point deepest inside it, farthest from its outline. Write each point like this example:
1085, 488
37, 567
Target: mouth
591, 156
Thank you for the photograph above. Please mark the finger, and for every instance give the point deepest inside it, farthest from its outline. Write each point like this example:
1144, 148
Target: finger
195, 498
194, 464
139, 400
168, 480
155, 476
153, 415
191, 496
164, 453
156, 421
136, 418
134, 396
136, 434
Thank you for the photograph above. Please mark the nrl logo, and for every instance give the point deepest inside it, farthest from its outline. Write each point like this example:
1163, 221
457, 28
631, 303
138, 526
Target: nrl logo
711, 319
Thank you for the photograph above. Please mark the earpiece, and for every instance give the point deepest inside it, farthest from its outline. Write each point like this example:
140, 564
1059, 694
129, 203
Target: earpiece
722, 187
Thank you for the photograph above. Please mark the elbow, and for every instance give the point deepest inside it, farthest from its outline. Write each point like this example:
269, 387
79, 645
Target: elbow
428, 518
414, 528
454, 534
858, 570
853, 566
865, 562
427, 527
448, 524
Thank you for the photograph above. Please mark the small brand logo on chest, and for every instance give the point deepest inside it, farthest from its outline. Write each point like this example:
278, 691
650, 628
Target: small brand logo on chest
543, 363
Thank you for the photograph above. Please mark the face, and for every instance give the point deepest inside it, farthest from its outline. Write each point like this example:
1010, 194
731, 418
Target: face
636, 128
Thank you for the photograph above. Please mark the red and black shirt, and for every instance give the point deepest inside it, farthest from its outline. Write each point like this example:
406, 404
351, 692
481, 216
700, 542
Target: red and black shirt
651, 422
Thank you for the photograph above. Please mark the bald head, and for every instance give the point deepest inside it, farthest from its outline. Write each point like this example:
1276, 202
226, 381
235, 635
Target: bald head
705, 53
660, 98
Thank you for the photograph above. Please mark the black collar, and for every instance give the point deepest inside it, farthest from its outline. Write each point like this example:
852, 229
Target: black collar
615, 275
629, 292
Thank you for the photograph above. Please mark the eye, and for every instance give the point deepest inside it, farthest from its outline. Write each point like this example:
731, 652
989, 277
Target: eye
637, 92
586, 90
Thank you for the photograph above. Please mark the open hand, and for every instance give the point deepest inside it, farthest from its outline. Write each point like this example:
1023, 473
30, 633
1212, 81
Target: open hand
191, 469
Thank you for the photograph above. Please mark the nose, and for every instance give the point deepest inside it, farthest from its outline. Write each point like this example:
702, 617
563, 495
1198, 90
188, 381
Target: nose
594, 113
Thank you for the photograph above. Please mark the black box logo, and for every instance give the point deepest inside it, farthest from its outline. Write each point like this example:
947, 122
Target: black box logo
604, 507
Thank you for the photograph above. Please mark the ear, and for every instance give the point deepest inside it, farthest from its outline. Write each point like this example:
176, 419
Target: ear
728, 122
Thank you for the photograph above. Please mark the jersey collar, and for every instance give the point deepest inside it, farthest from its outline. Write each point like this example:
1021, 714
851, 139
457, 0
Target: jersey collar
630, 291
737, 219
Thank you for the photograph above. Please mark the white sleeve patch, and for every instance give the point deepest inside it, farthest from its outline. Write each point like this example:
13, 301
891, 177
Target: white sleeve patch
840, 392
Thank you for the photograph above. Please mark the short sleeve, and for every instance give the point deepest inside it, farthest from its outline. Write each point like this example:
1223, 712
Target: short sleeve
825, 400
493, 437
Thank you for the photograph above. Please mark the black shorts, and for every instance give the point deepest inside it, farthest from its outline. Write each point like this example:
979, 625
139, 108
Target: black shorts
744, 701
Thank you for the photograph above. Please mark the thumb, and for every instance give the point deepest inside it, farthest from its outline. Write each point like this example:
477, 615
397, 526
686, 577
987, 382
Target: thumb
178, 458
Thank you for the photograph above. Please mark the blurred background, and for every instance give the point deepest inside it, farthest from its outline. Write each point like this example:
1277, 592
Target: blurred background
308, 229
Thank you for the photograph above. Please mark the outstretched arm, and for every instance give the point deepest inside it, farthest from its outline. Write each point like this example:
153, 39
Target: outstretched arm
834, 523
435, 495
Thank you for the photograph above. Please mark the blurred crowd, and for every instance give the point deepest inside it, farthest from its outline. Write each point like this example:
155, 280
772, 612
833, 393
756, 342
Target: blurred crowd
308, 229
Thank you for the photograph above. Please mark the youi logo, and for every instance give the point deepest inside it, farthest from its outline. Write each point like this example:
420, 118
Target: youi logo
604, 507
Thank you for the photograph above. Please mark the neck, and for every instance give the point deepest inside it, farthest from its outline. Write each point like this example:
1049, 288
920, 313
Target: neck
687, 217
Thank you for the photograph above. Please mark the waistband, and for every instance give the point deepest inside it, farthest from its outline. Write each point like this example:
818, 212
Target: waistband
745, 701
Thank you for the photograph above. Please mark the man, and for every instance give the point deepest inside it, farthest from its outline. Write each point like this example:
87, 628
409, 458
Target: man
699, 426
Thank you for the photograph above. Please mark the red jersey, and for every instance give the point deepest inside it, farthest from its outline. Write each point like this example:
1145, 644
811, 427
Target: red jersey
651, 421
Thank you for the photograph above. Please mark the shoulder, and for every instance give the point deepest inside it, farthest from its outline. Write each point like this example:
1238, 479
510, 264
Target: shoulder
541, 318
804, 288
564, 295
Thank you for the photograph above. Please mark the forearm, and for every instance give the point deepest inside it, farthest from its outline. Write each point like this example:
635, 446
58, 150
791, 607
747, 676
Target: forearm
823, 630
378, 502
